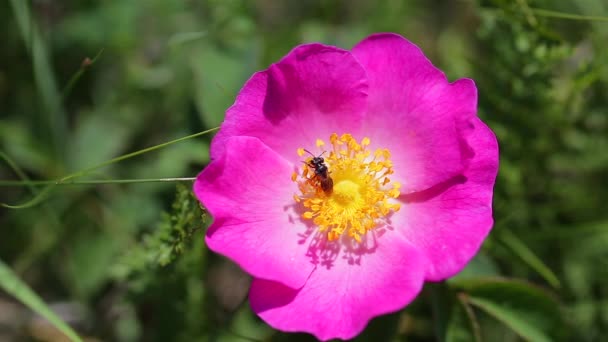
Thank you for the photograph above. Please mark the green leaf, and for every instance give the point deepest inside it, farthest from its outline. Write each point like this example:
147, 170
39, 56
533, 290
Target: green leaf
463, 325
96, 137
528, 310
511, 318
480, 266
218, 75
525, 254
167, 242
90, 248
441, 307
55, 118
11, 283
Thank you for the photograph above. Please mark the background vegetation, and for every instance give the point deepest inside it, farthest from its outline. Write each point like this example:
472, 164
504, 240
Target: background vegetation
82, 82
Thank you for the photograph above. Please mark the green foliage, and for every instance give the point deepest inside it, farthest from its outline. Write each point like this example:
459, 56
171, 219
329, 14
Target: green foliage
11, 283
529, 311
133, 255
163, 245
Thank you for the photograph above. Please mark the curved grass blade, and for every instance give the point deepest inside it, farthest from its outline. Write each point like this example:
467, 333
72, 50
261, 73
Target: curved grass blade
528, 310
463, 299
511, 319
525, 254
56, 119
14, 286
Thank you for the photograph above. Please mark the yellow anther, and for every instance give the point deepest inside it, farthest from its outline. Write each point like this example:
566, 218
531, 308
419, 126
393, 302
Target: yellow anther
360, 195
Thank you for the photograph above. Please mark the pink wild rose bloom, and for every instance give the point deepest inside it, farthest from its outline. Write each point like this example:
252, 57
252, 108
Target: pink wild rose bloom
402, 194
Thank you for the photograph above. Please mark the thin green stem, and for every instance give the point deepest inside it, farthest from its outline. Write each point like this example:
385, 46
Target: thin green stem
95, 181
64, 180
463, 298
527, 12
569, 16
441, 309
74, 79
132, 154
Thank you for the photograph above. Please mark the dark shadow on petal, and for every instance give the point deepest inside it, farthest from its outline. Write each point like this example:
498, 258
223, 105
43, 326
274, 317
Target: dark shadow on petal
276, 104
274, 295
217, 223
434, 191
323, 252
354, 251
320, 251
465, 129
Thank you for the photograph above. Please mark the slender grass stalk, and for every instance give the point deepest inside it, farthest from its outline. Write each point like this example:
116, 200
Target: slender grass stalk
96, 181
86, 64
527, 255
463, 299
64, 180
32, 251
569, 16
55, 119
132, 154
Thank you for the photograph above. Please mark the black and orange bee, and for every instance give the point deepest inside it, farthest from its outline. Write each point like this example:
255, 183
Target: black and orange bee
317, 163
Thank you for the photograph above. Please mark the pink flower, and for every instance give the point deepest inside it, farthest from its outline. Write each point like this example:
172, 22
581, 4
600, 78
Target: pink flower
406, 196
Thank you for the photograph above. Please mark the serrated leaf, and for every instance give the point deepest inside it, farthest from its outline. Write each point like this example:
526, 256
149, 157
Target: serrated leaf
167, 242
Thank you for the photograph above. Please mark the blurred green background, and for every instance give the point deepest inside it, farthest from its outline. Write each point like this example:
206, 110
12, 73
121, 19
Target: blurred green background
83, 81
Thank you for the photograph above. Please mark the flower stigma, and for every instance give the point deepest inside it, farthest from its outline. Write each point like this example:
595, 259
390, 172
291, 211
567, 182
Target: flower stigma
360, 196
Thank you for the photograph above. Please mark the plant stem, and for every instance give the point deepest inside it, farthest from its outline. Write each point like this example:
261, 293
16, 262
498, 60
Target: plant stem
570, 16
64, 180
95, 181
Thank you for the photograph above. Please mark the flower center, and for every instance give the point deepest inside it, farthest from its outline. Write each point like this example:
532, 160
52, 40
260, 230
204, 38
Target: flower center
347, 190
346, 193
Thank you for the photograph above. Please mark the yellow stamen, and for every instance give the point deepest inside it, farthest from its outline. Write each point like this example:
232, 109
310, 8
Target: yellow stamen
361, 196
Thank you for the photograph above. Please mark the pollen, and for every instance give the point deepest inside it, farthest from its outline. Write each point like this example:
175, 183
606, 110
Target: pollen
362, 195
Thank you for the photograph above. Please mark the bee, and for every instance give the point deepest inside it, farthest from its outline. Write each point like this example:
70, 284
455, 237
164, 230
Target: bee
317, 163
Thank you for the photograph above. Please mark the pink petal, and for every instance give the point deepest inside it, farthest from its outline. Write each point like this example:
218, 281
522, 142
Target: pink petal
338, 301
249, 193
450, 220
414, 111
312, 92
